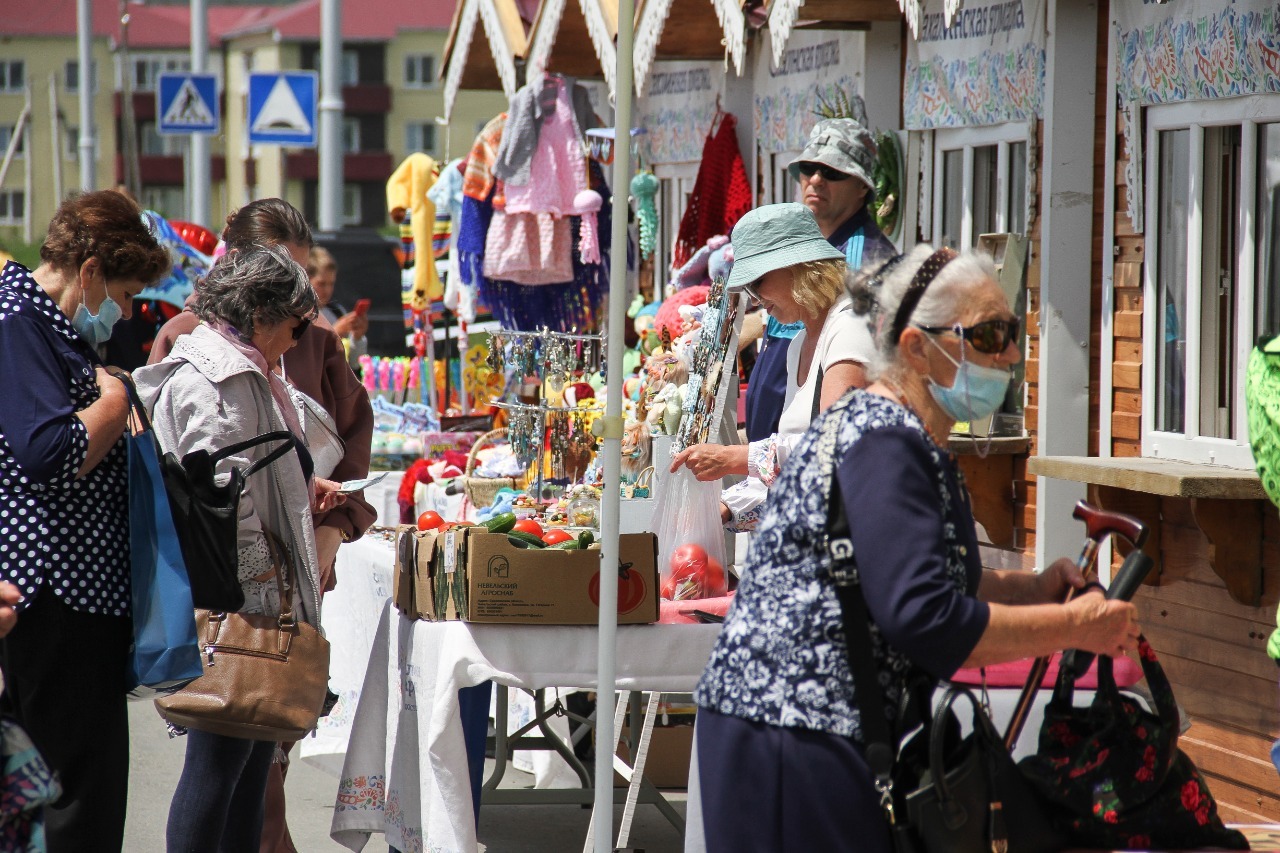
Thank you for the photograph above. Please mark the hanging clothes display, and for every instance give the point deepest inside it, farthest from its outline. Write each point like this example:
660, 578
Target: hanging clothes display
407, 190
529, 248
557, 168
446, 195
481, 190
721, 192
530, 106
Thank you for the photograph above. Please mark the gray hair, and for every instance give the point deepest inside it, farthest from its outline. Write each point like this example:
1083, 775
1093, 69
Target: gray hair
877, 292
262, 284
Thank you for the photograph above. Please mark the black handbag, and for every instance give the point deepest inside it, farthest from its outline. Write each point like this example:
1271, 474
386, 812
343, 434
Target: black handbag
206, 516
940, 793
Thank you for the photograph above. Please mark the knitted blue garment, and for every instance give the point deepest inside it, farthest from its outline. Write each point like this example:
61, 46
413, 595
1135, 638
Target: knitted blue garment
473, 226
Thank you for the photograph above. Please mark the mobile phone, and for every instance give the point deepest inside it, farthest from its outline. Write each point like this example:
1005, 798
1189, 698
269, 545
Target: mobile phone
362, 306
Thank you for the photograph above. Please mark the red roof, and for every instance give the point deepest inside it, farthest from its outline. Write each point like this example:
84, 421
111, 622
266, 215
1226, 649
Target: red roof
169, 26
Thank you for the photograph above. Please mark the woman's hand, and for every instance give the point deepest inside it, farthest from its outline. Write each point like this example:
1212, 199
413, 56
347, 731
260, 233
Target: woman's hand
10, 595
712, 461
726, 514
1056, 581
327, 495
1104, 627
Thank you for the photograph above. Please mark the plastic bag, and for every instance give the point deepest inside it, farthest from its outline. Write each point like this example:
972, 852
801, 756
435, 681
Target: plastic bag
691, 548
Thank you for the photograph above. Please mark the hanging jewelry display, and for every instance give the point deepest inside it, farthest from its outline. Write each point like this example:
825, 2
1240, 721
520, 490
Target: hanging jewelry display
710, 363
559, 443
494, 359
557, 353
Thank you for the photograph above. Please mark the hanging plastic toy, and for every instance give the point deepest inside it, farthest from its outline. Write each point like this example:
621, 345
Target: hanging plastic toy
644, 189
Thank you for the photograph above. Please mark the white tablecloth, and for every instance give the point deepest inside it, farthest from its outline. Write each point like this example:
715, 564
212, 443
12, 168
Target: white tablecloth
406, 767
384, 496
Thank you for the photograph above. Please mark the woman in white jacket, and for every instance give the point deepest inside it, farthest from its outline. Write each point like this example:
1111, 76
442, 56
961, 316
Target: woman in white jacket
217, 387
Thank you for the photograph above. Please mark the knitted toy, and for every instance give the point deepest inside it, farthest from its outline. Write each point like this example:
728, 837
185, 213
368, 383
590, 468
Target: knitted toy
644, 188
721, 263
695, 270
588, 203
669, 314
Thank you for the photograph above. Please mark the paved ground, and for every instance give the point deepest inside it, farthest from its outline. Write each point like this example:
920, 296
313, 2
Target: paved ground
157, 762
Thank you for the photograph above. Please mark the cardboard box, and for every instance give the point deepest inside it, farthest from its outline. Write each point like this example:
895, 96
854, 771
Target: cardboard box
667, 764
421, 585
503, 583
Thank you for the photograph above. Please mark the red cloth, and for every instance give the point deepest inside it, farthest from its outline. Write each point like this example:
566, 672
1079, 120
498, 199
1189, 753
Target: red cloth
721, 193
1014, 674
681, 612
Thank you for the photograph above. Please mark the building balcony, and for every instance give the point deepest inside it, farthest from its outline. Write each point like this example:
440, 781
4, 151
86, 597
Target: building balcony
144, 105
169, 169
366, 99
364, 166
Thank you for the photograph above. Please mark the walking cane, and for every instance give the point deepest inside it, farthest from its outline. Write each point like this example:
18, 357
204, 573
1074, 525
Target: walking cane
1099, 524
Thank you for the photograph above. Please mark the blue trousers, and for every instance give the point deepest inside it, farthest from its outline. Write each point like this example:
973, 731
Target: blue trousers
218, 805
771, 789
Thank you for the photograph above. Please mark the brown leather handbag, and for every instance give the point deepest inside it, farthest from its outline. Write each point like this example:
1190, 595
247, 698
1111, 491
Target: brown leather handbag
264, 678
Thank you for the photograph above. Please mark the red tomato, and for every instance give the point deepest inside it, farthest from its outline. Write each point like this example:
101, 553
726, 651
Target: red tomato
554, 536
528, 525
713, 579
631, 590
429, 520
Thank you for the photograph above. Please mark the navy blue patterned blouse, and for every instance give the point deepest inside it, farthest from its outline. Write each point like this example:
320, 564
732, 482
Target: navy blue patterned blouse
70, 535
781, 658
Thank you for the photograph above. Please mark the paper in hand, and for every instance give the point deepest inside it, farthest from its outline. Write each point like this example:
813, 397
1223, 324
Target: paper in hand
349, 486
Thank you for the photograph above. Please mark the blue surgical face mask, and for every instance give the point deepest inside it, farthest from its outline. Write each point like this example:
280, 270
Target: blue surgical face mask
96, 328
976, 391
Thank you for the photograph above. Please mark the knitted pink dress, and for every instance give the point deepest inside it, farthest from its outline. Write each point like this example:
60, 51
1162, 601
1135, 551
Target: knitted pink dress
558, 170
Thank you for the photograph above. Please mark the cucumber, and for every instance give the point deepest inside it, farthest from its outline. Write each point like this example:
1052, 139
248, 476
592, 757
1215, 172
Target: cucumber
525, 540
566, 545
501, 523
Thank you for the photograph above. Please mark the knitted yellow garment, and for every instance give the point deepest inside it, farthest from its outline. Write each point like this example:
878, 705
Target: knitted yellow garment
407, 188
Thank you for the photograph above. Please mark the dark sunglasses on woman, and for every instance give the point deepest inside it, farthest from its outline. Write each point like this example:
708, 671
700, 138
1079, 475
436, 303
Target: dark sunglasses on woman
301, 329
808, 169
989, 336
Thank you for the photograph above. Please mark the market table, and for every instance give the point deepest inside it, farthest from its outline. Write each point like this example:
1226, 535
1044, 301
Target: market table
406, 769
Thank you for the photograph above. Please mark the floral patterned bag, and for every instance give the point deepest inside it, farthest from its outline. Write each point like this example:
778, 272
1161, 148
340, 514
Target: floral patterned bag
1116, 773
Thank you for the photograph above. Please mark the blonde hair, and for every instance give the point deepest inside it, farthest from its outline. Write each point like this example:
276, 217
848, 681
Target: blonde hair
817, 285
318, 259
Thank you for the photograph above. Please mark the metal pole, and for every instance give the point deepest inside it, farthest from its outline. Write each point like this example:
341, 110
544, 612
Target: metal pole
612, 432
55, 143
329, 191
28, 185
199, 170
84, 47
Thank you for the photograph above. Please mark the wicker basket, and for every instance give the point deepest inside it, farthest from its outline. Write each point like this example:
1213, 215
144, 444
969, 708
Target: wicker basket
482, 490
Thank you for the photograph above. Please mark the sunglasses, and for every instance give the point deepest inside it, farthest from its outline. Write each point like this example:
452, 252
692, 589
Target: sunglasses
828, 174
752, 292
990, 336
299, 330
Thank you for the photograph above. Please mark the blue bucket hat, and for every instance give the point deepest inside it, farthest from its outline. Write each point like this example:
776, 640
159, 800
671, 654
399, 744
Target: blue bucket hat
773, 237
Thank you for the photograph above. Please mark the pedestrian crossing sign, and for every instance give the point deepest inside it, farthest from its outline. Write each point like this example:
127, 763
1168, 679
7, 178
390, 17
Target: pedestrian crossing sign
283, 108
187, 103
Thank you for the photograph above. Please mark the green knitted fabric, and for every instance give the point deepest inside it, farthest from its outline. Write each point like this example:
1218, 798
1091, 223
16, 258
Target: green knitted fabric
1262, 406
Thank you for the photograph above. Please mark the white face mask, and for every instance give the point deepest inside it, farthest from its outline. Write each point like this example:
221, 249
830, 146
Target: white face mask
96, 328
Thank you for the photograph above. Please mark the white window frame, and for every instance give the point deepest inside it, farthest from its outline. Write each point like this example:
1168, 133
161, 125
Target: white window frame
412, 145
675, 183
6, 81
351, 135
71, 76
171, 145
966, 139
351, 204
7, 138
416, 81
7, 218
1247, 113
157, 64
779, 186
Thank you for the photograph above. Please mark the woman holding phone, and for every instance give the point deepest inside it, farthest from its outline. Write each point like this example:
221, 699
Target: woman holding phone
351, 326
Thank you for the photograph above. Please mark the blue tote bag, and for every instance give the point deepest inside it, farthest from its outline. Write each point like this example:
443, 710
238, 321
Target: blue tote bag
165, 655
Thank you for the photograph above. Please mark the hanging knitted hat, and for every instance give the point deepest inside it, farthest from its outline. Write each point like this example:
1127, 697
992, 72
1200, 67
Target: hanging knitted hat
721, 193
644, 188
587, 203
668, 316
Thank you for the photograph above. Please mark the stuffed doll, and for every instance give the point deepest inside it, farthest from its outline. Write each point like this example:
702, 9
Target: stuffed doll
637, 449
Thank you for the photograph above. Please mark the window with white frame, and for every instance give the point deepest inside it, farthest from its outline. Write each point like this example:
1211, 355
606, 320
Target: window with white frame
779, 185
152, 143
350, 135
71, 76
13, 207
420, 71
1211, 275
420, 136
145, 69
13, 75
7, 139
351, 207
979, 183
350, 66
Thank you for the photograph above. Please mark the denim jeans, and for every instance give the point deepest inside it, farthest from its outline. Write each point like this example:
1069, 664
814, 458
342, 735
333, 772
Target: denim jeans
218, 805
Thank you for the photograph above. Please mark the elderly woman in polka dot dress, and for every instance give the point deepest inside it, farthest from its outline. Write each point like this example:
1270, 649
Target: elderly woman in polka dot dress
64, 534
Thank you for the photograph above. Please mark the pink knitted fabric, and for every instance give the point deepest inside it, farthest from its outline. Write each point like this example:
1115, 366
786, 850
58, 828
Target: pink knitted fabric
558, 171
588, 202
668, 316
528, 248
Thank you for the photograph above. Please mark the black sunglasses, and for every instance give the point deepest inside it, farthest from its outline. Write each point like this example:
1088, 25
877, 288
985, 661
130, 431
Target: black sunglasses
299, 330
828, 174
990, 336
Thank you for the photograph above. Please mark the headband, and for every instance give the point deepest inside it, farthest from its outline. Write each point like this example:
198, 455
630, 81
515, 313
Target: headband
919, 283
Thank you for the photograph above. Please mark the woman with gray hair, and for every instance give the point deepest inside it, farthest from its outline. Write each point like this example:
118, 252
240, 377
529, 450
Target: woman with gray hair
217, 387
780, 741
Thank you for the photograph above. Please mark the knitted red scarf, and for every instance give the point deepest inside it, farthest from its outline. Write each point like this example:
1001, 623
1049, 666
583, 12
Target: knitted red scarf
721, 194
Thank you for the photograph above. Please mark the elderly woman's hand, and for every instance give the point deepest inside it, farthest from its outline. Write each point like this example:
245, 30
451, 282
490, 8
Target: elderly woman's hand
10, 595
1054, 582
712, 461
1104, 627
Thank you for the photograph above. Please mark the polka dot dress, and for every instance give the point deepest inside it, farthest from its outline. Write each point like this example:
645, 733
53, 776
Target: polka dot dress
56, 531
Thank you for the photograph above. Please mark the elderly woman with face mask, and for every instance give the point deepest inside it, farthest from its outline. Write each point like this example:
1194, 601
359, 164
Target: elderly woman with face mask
780, 740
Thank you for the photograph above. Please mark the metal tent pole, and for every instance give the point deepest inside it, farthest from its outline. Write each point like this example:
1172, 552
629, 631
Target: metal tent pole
200, 170
329, 186
84, 51
611, 431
